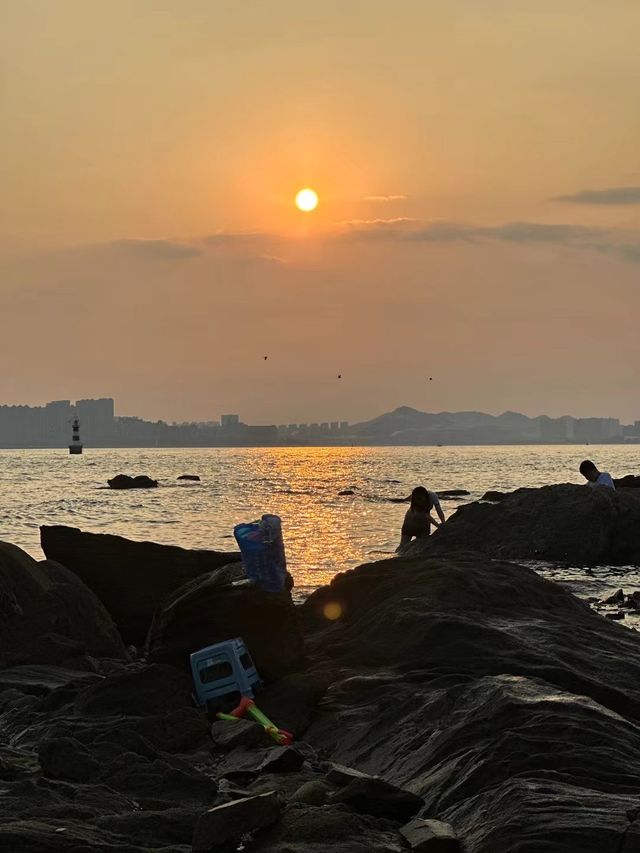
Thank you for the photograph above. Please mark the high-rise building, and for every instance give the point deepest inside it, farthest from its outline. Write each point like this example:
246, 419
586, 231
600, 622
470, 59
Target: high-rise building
230, 422
96, 418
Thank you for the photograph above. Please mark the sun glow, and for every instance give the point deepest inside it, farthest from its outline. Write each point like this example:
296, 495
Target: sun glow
307, 200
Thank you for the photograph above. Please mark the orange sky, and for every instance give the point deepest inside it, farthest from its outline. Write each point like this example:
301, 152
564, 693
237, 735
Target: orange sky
150, 249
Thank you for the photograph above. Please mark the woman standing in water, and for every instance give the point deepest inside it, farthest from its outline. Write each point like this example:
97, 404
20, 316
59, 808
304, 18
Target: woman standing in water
418, 519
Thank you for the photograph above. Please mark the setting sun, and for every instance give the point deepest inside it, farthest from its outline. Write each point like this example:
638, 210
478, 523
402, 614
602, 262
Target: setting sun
307, 200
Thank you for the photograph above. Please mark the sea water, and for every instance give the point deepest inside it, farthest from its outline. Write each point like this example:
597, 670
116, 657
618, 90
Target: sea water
324, 532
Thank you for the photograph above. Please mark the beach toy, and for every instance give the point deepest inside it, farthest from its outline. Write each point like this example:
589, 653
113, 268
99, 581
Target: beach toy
262, 548
248, 706
222, 673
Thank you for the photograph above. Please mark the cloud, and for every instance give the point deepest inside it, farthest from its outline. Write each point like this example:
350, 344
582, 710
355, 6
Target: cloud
536, 232
628, 251
156, 249
609, 195
383, 198
445, 232
374, 223
235, 239
603, 240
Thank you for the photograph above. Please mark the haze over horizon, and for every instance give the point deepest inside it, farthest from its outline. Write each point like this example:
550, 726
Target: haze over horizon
478, 174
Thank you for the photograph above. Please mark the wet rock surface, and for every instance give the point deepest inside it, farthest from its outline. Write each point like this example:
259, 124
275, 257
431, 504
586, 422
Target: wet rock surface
507, 705
587, 526
130, 578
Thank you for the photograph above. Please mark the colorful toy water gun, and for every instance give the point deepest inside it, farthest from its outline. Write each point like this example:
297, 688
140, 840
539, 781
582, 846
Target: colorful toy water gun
248, 706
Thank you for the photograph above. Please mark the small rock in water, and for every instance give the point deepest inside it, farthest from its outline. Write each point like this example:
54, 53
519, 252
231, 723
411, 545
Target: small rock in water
616, 616
616, 598
124, 481
346, 492
194, 477
633, 600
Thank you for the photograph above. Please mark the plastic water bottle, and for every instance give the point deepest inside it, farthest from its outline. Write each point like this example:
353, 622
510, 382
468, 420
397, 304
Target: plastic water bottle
262, 548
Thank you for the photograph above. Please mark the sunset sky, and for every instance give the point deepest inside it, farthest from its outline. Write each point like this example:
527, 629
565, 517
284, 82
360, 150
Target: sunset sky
478, 171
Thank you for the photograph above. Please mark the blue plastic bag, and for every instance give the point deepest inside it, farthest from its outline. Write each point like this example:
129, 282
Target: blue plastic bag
262, 548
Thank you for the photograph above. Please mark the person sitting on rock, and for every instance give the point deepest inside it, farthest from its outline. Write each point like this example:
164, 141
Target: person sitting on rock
418, 519
595, 477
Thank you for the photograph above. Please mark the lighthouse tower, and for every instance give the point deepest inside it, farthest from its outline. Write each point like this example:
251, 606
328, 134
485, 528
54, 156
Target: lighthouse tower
76, 445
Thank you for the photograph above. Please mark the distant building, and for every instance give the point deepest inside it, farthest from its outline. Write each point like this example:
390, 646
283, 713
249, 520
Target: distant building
556, 429
96, 418
261, 434
230, 422
596, 429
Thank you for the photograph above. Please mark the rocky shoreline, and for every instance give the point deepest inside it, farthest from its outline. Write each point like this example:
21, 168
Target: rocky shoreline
443, 700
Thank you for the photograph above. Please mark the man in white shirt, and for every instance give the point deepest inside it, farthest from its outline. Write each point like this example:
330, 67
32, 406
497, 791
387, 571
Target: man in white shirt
595, 477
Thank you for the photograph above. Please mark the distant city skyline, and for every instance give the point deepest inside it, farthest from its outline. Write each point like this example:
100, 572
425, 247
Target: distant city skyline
217, 414
49, 426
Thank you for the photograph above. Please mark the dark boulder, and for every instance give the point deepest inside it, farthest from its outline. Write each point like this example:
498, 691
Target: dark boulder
138, 692
494, 496
66, 758
130, 578
124, 481
230, 821
39, 835
311, 829
506, 704
227, 735
48, 615
194, 477
630, 481
153, 828
218, 607
370, 795
616, 598
585, 526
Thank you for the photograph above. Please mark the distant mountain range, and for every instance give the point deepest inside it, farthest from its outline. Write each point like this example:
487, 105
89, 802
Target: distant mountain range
411, 426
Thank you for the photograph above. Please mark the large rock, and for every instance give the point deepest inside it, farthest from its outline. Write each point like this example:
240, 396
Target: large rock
47, 615
582, 525
216, 607
230, 821
370, 795
509, 706
130, 578
629, 481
